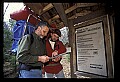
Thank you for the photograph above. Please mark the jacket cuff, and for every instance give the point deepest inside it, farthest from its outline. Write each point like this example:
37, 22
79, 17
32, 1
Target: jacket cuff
35, 58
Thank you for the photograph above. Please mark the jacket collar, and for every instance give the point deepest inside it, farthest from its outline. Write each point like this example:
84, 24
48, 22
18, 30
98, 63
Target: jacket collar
36, 36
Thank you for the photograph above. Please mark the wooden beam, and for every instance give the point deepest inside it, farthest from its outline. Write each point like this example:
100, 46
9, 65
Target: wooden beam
73, 8
86, 4
79, 5
80, 14
55, 17
89, 16
36, 7
72, 45
59, 8
45, 19
46, 8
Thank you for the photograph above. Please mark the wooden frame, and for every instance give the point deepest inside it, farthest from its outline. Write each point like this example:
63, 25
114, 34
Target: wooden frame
107, 39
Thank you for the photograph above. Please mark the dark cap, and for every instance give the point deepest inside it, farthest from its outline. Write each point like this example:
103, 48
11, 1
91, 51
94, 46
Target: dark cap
57, 31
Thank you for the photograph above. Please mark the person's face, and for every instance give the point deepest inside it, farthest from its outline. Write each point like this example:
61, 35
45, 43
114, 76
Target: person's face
43, 31
54, 37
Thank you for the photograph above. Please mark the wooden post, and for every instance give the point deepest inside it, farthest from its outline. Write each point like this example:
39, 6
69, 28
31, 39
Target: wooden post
72, 65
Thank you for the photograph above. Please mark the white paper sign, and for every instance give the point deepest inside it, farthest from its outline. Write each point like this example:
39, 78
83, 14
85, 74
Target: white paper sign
91, 50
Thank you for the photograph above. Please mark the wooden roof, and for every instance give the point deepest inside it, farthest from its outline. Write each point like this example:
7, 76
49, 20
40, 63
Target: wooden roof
58, 14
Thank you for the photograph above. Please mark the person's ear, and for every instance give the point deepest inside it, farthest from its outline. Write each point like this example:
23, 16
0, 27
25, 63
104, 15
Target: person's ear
51, 34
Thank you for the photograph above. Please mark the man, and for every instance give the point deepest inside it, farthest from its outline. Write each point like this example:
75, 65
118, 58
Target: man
54, 47
32, 56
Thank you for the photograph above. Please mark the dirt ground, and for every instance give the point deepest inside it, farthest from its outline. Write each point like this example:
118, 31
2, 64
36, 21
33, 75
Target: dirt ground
66, 66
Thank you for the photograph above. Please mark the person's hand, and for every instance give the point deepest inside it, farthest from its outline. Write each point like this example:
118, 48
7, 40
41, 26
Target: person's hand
43, 58
57, 59
55, 53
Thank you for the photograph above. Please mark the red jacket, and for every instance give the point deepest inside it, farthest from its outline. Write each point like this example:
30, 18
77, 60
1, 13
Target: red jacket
59, 46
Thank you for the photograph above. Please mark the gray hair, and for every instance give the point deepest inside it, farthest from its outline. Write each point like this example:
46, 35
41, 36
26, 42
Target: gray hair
41, 23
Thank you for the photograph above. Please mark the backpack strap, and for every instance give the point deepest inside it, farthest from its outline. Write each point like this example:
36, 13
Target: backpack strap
31, 38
